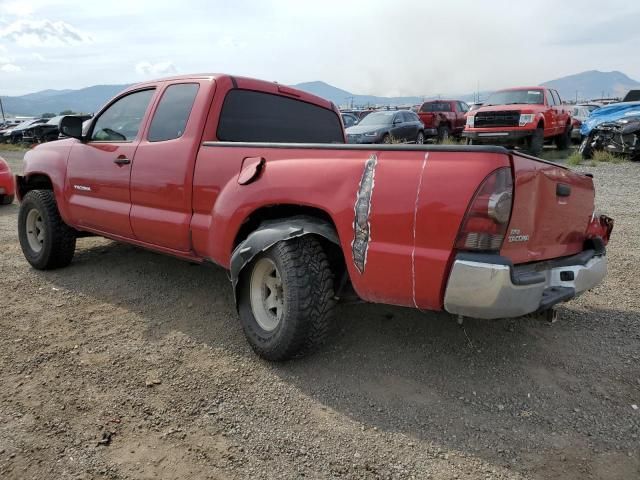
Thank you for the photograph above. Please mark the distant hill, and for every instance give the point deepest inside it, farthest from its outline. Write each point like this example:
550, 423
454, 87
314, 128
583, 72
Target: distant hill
86, 100
591, 84
343, 97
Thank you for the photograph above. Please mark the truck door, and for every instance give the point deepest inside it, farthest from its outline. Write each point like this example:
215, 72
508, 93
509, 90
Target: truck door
562, 113
162, 174
98, 170
550, 115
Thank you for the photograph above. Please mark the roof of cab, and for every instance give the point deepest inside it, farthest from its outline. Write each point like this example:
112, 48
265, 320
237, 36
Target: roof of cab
245, 83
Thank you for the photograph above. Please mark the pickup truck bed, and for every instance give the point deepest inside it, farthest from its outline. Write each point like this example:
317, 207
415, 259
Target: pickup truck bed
475, 230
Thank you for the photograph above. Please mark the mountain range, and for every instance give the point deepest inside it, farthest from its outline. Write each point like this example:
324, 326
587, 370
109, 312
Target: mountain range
585, 85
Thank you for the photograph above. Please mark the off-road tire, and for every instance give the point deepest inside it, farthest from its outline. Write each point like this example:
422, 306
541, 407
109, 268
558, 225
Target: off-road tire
309, 300
59, 241
443, 133
536, 142
6, 199
563, 141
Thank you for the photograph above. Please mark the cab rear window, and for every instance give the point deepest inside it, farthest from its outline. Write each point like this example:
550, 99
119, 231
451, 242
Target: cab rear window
250, 116
436, 107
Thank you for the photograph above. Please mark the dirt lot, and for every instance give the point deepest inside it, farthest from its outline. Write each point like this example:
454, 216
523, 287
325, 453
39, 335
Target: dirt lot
129, 364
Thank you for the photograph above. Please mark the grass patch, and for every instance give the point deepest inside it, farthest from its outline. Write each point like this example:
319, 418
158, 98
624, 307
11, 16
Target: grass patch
574, 159
12, 147
453, 141
607, 157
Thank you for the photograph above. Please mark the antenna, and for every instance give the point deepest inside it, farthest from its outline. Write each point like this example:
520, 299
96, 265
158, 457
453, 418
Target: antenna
2, 110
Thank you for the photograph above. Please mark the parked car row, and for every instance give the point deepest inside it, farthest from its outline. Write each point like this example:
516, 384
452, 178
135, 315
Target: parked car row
37, 130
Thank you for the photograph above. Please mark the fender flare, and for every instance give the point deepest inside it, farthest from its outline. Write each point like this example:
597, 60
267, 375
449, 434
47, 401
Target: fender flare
271, 232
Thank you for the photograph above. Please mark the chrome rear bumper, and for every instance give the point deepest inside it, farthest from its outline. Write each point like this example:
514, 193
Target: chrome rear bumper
488, 286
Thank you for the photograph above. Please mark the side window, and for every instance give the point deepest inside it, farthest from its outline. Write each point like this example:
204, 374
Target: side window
121, 121
550, 100
249, 116
556, 97
170, 118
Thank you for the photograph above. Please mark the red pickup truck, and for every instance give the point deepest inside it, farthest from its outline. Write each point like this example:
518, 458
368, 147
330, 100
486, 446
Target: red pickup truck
255, 177
442, 118
525, 116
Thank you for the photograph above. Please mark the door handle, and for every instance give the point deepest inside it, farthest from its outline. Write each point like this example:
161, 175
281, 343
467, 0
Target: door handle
122, 160
563, 190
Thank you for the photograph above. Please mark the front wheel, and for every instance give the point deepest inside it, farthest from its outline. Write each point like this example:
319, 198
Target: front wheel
536, 142
46, 241
420, 138
6, 199
586, 150
286, 301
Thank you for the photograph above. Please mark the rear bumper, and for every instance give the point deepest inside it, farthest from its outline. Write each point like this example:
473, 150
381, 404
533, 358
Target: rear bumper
496, 135
489, 286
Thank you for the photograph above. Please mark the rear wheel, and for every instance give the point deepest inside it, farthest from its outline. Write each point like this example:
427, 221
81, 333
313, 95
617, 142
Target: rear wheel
386, 138
286, 301
563, 141
443, 133
420, 138
46, 241
536, 142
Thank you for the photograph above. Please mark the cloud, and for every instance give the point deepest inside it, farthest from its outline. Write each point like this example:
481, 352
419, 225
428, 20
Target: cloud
10, 68
18, 8
160, 68
43, 33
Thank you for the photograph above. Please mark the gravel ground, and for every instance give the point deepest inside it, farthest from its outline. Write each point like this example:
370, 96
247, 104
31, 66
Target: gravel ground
129, 364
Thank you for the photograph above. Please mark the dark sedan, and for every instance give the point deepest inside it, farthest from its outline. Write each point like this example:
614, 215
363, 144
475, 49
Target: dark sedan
387, 127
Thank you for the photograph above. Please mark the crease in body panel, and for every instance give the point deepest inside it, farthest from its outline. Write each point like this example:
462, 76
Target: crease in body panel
415, 226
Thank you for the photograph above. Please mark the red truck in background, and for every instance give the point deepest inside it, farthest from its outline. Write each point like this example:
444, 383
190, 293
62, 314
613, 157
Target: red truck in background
255, 177
7, 188
524, 116
443, 118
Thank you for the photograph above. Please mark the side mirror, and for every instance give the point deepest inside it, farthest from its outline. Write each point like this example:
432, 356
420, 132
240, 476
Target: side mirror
71, 126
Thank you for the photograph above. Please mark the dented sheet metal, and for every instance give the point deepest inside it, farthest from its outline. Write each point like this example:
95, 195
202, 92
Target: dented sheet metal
362, 209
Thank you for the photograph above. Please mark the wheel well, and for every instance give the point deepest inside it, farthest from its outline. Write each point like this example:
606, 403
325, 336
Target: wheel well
37, 181
275, 212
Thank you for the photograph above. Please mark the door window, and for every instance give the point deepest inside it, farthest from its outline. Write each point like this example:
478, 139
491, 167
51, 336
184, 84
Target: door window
550, 100
556, 97
170, 118
121, 121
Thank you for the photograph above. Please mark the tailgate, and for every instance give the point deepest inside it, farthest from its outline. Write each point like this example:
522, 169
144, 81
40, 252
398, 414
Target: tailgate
552, 208
427, 118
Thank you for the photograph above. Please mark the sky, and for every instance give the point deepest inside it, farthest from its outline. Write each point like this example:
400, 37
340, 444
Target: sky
403, 47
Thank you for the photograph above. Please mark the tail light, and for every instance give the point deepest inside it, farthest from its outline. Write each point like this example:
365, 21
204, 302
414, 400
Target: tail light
485, 223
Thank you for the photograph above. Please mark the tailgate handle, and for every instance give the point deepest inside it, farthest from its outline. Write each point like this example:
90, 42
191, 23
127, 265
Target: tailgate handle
563, 190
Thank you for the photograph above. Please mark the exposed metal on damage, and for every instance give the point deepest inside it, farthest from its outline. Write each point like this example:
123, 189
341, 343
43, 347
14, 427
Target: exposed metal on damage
415, 222
362, 210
